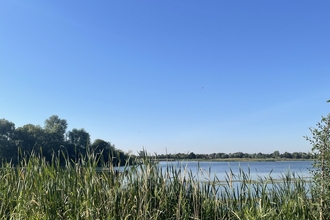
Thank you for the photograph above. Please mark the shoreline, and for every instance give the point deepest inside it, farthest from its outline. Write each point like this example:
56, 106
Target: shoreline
236, 160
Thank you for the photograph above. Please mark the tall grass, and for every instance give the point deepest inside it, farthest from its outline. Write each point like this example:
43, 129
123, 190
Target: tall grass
64, 190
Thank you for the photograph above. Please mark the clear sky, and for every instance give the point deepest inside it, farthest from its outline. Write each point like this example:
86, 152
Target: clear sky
169, 76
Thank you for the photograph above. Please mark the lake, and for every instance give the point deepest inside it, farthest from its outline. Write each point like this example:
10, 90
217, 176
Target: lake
209, 170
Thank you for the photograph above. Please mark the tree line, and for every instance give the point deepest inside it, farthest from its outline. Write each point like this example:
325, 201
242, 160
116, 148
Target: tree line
52, 138
237, 155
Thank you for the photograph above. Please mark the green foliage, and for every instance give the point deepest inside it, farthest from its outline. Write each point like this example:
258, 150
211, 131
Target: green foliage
53, 138
31, 137
56, 125
107, 152
7, 140
237, 155
320, 141
79, 138
37, 189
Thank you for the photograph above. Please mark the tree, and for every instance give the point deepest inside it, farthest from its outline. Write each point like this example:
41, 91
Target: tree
56, 126
7, 129
237, 155
320, 141
7, 139
276, 154
78, 142
51, 139
260, 155
287, 155
192, 155
31, 137
79, 138
55, 129
109, 154
296, 155
100, 144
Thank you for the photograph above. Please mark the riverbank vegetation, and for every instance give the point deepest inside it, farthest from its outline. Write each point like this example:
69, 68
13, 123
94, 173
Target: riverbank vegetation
66, 182
238, 156
320, 140
54, 136
37, 189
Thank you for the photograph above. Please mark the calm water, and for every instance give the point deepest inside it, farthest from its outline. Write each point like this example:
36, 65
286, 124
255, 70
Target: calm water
208, 170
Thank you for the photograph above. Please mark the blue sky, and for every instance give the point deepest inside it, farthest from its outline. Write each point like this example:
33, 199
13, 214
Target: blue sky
169, 76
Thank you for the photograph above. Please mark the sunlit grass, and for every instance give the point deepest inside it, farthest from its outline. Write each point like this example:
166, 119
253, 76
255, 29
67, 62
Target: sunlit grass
65, 190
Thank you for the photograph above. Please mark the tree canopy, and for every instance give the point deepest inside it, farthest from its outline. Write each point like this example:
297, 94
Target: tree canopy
236, 155
52, 138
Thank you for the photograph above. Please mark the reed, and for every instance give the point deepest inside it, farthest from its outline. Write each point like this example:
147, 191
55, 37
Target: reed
65, 190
